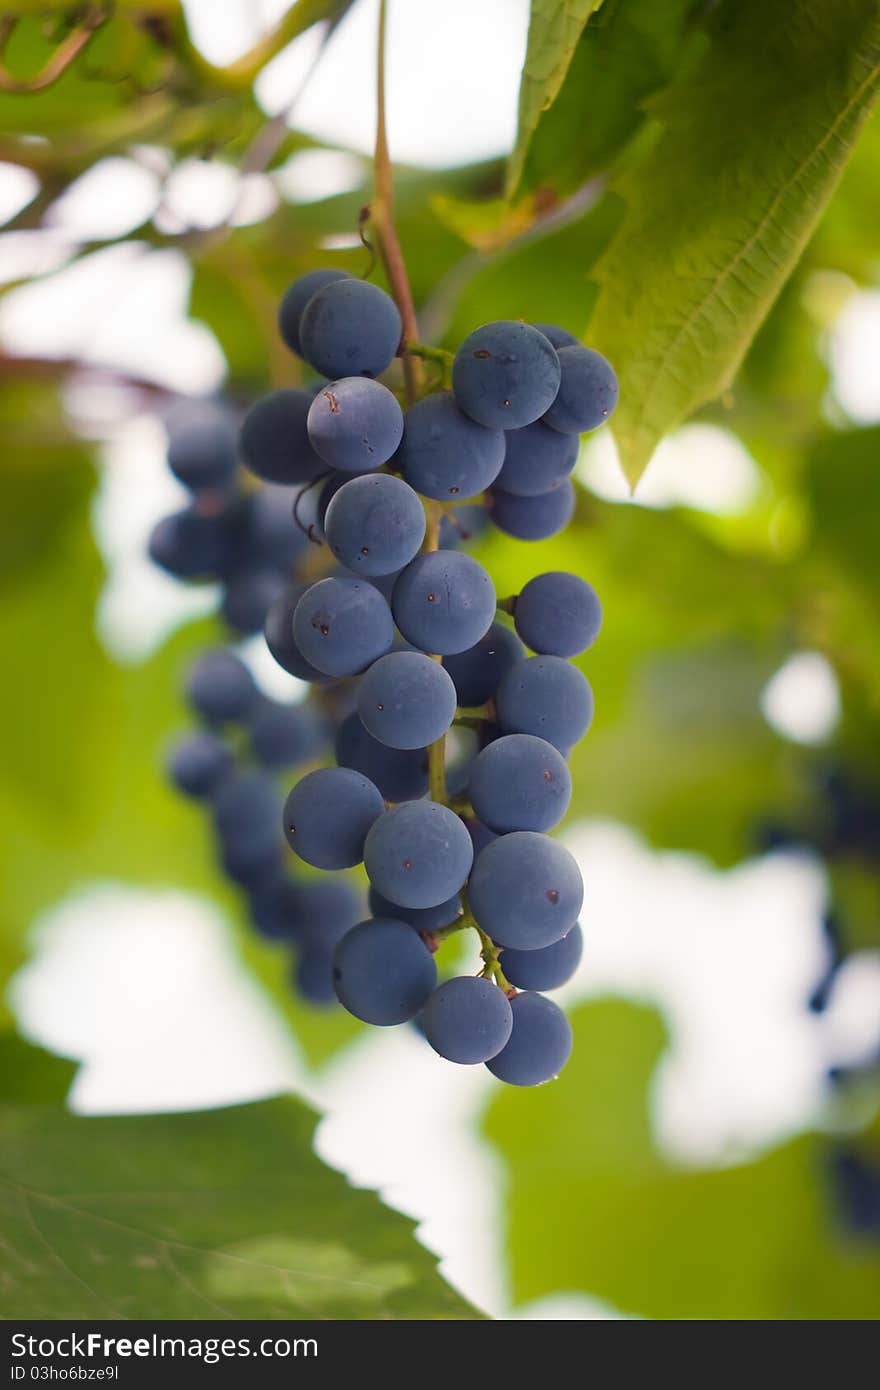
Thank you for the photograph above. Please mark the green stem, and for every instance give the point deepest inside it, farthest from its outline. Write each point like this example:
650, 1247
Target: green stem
427, 353
437, 770
507, 605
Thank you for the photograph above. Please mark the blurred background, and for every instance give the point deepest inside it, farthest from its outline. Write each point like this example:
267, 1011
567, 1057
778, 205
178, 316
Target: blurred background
712, 1149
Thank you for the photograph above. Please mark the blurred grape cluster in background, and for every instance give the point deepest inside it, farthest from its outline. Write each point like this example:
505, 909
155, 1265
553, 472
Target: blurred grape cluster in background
713, 1149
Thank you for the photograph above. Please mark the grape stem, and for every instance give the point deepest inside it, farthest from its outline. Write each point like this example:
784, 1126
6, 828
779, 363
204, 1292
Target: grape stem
382, 219
427, 353
506, 605
489, 952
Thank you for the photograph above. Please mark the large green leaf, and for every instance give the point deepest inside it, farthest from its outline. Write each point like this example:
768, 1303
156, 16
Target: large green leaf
593, 1206
224, 1214
554, 29
748, 150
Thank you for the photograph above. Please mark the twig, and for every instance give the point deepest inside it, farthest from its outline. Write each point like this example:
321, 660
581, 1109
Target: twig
61, 59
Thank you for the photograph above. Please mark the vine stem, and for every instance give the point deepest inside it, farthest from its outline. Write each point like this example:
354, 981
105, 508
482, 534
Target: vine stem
382, 218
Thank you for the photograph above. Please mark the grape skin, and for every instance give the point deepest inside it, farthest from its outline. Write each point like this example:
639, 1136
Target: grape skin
588, 391
467, 1020
533, 518
278, 631
540, 1043
327, 816
536, 459
246, 810
274, 440
248, 598
444, 454
350, 328
477, 672
383, 972
525, 890
355, 424
548, 697
558, 614
283, 735
418, 854
189, 545
375, 524
520, 783
220, 687
198, 762
425, 919
547, 968
295, 299
406, 700
559, 337
202, 448
342, 625
443, 602
505, 375
400, 774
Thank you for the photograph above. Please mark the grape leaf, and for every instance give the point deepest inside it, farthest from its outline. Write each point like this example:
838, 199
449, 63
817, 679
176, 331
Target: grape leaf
554, 29
749, 148
219, 1214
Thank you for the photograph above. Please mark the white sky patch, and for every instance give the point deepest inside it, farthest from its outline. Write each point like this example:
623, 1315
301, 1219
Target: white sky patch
201, 193
311, 175
854, 358
256, 200
272, 680
224, 32
18, 187
32, 253
802, 700
699, 466
109, 200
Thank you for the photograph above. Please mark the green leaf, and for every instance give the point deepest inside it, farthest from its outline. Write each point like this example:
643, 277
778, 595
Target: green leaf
30, 1075
554, 29
593, 1206
221, 1214
748, 150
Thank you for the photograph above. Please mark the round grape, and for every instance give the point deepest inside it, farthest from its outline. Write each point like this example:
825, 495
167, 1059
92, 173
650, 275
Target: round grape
559, 337
313, 976
202, 449
477, 672
533, 518
539, 1046
480, 834
383, 972
342, 625
422, 918
536, 459
295, 299
526, 890
350, 328
248, 597
375, 524
445, 454
278, 631
249, 862
246, 810
198, 763
271, 538
400, 774
274, 440
505, 375
466, 523
520, 783
328, 814
283, 735
418, 854
189, 545
443, 602
355, 424
406, 700
220, 687
323, 910
588, 391
547, 968
548, 697
272, 907
467, 1020
558, 614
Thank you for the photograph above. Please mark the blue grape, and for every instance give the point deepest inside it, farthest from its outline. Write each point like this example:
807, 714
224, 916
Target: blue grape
539, 1046
283, 735
220, 687
271, 538
463, 525
480, 834
350, 328
558, 614
505, 375
313, 975
467, 1020
520, 783
355, 424
400, 774
533, 518
443, 602
422, 918
477, 672
374, 524
273, 907
248, 597
202, 449
249, 862
342, 625
406, 700
548, 697
418, 854
274, 440
547, 968
246, 810
588, 391
295, 299
278, 631
526, 890
327, 816
536, 459
198, 763
323, 910
383, 972
559, 337
190, 545
444, 454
